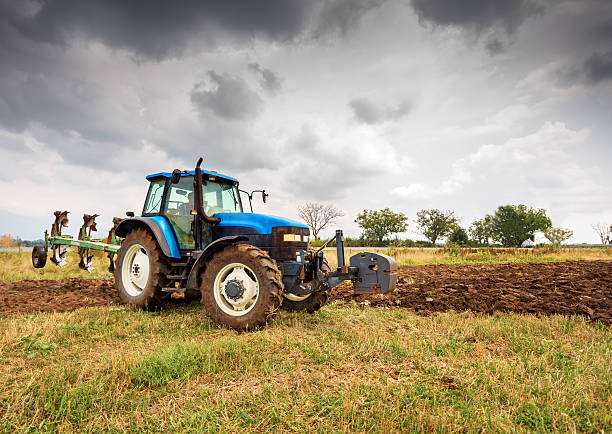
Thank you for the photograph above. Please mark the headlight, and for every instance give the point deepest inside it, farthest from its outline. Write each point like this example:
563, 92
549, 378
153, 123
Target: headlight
292, 237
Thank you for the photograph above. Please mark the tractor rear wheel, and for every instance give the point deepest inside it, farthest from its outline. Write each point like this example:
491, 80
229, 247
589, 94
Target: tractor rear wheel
241, 287
309, 303
140, 270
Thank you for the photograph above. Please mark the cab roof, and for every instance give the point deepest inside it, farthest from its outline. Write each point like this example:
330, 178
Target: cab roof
205, 173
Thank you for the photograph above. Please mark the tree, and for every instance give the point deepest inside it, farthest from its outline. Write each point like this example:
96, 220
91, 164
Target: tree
318, 216
481, 230
377, 225
604, 232
557, 236
7, 241
512, 225
459, 236
434, 223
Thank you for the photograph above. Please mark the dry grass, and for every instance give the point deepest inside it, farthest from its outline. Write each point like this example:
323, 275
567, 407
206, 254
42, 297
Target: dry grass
16, 266
342, 369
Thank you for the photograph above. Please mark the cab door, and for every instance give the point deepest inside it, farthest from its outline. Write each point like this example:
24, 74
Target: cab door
177, 209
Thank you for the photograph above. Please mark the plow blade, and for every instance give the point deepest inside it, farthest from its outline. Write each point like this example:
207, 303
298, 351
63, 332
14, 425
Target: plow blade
377, 273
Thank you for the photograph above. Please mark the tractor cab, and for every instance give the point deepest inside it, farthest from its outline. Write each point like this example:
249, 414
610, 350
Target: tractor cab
175, 199
191, 222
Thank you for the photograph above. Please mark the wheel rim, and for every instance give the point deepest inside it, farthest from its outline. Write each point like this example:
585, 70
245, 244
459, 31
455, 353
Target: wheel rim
236, 289
135, 270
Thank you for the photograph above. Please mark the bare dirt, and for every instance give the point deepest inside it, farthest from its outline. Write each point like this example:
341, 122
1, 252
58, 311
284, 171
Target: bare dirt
576, 287
573, 287
56, 295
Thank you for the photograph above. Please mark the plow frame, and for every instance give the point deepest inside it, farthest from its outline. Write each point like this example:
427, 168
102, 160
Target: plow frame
57, 242
68, 240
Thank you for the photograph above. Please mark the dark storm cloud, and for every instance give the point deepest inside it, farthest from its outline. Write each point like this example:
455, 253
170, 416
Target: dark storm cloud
161, 29
226, 96
370, 113
477, 15
598, 67
158, 29
268, 80
342, 15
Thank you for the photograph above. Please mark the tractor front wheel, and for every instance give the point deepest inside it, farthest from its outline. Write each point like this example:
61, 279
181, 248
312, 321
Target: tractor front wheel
241, 287
140, 270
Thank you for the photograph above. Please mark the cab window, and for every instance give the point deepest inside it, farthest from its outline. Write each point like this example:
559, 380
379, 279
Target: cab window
154, 197
220, 198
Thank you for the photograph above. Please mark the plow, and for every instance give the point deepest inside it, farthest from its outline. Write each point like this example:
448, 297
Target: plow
194, 239
58, 243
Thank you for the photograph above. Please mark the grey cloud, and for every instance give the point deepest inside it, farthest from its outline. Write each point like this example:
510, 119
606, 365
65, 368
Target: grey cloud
268, 80
603, 31
60, 104
229, 97
598, 67
342, 15
494, 47
369, 113
161, 29
477, 15
158, 29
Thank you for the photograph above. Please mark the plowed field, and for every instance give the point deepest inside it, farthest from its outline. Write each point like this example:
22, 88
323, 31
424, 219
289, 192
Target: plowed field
583, 287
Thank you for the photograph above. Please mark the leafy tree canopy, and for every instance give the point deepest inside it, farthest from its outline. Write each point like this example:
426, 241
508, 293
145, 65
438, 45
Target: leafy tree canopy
377, 225
434, 223
557, 236
512, 225
481, 230
459, 236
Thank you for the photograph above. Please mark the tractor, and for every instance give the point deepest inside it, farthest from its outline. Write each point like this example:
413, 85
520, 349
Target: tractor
194, 239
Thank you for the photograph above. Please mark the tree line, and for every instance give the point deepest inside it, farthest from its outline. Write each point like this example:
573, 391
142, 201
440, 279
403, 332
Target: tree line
508, 226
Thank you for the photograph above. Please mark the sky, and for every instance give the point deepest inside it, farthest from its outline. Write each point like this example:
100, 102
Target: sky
463, 105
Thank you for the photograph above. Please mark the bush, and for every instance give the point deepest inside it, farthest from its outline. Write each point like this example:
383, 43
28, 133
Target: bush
459, 236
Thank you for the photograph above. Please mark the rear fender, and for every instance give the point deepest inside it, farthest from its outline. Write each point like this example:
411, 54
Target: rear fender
159, 227
211, 249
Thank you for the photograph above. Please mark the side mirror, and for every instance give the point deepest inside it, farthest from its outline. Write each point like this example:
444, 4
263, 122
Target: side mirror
264, 195
176, 176
130, 213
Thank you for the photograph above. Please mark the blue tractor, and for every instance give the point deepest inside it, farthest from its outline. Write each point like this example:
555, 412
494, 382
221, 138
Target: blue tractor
194, 239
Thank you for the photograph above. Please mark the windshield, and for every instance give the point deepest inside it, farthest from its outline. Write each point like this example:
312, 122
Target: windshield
217, 197
220, 198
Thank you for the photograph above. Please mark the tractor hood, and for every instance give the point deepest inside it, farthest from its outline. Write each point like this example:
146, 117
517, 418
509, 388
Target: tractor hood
260, 222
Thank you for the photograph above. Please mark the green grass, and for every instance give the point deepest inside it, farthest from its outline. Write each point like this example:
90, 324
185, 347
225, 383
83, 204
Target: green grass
345, 368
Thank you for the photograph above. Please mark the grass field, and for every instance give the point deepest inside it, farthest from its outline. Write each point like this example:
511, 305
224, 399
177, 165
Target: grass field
348, 367
344, 368
18, 266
